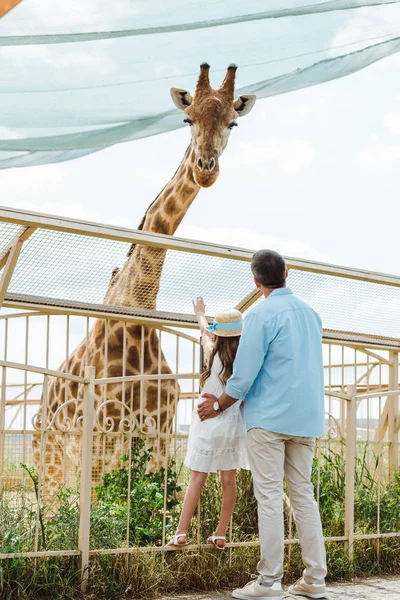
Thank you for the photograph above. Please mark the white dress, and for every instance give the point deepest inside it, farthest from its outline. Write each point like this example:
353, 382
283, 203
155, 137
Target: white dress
217, 444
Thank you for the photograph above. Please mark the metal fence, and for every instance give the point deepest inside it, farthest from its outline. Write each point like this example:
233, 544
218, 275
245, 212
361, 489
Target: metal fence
82, 445
64, 429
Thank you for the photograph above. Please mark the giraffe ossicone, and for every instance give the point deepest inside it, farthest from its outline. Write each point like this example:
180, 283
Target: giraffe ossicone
119, 349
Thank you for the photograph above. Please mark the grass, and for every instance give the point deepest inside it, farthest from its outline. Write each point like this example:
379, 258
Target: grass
140, 573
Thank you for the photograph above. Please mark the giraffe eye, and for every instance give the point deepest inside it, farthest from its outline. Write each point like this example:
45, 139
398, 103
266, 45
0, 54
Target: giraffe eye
188, 121
232, 125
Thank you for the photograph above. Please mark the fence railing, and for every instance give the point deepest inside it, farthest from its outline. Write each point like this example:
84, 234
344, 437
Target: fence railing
84, 430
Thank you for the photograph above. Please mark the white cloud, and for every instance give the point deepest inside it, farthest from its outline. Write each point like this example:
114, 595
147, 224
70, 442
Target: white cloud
367, 26
377, 154
392, 122
37, 188
246, 238
33, 188
287, 156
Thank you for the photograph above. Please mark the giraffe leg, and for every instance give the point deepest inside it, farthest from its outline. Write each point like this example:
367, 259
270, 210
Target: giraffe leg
48, 465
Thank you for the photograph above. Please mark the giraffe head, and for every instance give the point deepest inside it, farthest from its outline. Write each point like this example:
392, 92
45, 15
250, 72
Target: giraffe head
211, 115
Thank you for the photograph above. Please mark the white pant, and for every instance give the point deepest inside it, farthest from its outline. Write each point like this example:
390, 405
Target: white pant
272, 456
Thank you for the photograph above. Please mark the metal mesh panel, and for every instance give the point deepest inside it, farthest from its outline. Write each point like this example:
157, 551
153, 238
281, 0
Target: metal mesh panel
63, 265
71, 267
7, 232
350, 305
76, 267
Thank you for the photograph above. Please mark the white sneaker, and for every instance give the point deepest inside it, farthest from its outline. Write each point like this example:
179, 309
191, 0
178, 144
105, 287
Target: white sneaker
310, 590
254, 589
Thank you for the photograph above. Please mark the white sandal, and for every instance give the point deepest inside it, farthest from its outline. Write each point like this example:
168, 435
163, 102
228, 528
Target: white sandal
213, 540
175, 541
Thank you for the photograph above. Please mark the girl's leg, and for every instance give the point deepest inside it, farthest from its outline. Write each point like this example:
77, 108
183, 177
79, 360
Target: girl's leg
192, 496
228, 480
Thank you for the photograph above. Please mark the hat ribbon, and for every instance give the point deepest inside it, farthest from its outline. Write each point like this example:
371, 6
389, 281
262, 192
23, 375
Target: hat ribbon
225, 326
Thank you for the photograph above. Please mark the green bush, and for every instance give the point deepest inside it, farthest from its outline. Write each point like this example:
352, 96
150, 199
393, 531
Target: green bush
144, 503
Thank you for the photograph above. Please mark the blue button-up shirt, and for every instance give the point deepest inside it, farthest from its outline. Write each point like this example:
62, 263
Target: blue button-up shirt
278, 369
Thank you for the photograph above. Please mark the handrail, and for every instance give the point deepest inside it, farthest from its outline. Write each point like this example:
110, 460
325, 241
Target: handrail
378, 394
92, 229
41, 371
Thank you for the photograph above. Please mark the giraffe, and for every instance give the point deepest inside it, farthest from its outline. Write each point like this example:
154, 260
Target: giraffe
211, 115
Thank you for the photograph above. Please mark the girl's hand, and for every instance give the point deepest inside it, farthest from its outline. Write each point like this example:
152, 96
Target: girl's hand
199, 306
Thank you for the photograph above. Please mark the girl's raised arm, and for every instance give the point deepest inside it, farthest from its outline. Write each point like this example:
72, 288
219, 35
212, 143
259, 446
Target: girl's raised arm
206, 337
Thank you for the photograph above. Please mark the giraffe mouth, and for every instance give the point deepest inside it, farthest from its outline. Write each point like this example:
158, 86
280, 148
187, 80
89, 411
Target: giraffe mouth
205, 178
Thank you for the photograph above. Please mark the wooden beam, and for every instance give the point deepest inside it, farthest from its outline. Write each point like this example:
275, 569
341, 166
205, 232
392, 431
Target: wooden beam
11, 259
249, 300
22, 236
381, 359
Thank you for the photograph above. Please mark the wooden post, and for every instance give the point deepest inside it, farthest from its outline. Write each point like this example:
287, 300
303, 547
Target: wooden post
393, 411
86, 474
351, 440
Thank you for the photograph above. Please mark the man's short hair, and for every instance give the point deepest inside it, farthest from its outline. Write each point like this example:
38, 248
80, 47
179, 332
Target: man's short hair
269, 268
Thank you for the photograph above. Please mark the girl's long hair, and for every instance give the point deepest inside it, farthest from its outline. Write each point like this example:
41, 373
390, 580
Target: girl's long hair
226, 348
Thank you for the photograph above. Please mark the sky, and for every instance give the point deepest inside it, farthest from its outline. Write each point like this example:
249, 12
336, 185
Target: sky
313, 173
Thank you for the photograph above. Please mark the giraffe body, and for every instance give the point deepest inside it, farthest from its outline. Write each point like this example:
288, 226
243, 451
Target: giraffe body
116, 349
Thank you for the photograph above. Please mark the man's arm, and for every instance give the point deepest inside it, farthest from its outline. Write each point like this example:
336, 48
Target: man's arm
253, 347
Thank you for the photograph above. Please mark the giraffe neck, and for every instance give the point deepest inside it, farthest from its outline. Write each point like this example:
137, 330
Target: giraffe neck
138, 282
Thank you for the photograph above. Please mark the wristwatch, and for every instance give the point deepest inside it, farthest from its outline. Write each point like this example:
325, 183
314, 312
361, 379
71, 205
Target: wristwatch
216, 406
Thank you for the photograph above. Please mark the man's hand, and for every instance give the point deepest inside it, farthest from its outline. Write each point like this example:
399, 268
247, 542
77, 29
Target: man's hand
205, 410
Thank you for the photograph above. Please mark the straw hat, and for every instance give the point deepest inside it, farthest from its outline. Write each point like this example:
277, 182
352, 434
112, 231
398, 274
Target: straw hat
227, 323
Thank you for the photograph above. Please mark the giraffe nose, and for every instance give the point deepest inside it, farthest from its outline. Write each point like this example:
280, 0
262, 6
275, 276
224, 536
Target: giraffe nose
204, 164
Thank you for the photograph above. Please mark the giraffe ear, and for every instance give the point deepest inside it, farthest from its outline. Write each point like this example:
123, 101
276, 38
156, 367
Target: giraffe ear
244, 104
181, 98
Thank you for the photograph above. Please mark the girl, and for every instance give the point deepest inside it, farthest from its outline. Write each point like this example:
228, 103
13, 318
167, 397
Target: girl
216, 444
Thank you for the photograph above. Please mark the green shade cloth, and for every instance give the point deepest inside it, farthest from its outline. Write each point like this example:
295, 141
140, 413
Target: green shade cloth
77, 76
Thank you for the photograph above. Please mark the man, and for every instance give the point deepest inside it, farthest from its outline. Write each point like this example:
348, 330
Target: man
278, 372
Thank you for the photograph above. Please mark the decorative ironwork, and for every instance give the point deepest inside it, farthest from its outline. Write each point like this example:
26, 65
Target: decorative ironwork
334, 432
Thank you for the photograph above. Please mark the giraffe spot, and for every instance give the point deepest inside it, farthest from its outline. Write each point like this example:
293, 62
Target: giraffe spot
149, 360
115, 370
75, 368
99, 340
134, 332
133, 357
73, 389
118, 396
186, 190
170, 207
98, 391
115, 339
160, 225
152, 398
94, 359
119, 335
115, 353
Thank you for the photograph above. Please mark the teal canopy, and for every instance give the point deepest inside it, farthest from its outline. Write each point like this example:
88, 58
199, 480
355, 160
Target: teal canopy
79, 76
